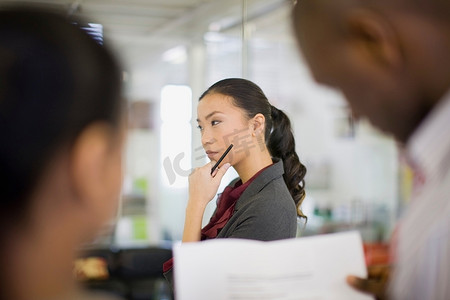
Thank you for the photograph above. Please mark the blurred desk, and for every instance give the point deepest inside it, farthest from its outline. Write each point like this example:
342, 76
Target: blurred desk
133, 273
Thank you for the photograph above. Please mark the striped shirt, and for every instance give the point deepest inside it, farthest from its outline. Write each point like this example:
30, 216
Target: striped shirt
422, 271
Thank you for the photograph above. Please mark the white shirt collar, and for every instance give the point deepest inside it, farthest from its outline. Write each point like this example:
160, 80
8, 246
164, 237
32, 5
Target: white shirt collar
429, 146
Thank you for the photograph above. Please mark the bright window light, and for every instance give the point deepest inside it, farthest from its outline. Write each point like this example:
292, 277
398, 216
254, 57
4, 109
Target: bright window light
176, 103
176, 135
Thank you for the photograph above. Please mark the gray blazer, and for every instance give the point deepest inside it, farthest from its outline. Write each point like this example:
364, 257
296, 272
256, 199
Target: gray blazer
265, 211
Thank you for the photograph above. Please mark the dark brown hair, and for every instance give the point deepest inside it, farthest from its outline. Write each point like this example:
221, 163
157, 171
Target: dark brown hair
55, 80
278, 131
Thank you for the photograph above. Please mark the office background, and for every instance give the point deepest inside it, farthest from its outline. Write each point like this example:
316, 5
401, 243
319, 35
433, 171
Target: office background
172, 50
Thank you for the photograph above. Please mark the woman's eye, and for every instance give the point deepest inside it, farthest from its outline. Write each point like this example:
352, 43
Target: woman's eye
213, 123
200, 127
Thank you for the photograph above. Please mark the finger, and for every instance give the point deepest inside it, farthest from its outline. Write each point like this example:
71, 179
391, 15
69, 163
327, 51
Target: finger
366, 285
210, 166
213, 174
220, 172
378, 271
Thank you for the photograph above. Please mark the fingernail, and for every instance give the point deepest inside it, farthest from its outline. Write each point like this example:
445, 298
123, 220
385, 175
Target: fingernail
351, 279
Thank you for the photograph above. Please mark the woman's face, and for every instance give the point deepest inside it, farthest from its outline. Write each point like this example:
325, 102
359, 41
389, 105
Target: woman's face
221, 123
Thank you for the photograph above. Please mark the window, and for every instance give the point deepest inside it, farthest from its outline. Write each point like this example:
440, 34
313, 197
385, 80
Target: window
176, 135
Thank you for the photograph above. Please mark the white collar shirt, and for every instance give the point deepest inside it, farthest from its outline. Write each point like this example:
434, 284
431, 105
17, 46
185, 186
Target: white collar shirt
422, 268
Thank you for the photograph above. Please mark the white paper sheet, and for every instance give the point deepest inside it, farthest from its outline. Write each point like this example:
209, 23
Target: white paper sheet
312, 268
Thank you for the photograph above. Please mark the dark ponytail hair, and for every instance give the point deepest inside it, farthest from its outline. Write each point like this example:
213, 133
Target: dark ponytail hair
278, 131
281, 143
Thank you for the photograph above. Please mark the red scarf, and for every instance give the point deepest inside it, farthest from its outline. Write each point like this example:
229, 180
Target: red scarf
226, 201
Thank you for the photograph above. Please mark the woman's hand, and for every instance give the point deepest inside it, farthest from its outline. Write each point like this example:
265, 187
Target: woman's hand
203, 185
202, 188
375, 284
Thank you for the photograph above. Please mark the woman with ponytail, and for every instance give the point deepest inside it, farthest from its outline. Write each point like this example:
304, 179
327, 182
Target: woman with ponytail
265, 201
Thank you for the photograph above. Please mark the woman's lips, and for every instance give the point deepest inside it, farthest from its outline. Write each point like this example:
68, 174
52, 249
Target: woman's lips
211, 154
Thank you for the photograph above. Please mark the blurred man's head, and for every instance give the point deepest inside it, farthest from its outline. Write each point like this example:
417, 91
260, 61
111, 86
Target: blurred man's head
390, 58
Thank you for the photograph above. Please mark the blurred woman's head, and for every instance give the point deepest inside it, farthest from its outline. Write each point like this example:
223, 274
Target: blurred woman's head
60, 149
236, 111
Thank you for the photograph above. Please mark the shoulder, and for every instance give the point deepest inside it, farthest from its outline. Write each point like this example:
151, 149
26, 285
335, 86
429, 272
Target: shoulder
274, 190
273, 202
263, 218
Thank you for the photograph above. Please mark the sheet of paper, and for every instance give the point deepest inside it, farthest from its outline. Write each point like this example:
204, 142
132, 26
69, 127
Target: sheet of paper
309, 268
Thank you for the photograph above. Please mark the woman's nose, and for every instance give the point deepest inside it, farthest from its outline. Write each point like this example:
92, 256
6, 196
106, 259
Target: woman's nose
207, 138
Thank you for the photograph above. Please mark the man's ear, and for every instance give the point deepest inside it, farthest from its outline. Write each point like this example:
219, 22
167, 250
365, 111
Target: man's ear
89, 161
374, 37
258, 124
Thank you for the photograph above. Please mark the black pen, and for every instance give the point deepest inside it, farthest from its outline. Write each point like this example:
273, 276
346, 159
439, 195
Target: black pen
221, 158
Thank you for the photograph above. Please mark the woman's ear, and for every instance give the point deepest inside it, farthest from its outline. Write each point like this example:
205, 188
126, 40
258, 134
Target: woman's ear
373, 38
258, 124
